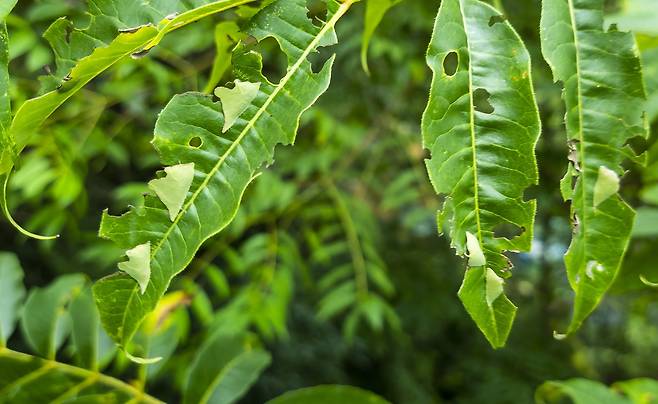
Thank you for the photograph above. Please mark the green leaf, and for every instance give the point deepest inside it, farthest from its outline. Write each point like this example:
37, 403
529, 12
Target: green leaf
87, 335
329, 394
481, 126
6, 8
12, 293
28, 379
82, 54
227, 34
637, 15
605, 100
138, 265
224, 369
172, 189
189, 130
580, 391
45, 322
375, 12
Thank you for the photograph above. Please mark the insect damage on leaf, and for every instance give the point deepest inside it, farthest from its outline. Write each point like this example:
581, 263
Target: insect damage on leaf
172, 189
475, 255
607, 184
138, 265
494, 286
236, 100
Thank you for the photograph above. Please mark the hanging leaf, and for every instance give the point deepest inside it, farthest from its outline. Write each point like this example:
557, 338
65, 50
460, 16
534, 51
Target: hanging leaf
330, 394
224, 369
236, 100
28, 379
118, 29
481, 126
12, 293
189, 130
375, 12
605, 100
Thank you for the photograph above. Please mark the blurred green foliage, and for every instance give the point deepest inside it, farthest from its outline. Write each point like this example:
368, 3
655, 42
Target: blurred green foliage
333, 259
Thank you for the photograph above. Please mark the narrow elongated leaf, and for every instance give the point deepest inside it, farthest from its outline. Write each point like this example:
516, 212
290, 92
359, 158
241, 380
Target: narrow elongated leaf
329, 395
12, 293
604, 96
481, 126
44, 322
224, 369
375, 12
118, 28
28, 379
189, 130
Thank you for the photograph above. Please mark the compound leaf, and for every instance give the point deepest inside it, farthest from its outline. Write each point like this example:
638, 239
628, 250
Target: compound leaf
189, 130
605, 100
118, 29
481, 126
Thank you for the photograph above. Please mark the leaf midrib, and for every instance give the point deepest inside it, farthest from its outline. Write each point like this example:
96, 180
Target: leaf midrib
476, 191
291, 72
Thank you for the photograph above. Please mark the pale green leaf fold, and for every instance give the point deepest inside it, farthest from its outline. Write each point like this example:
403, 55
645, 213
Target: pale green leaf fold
605, 100
481, 126
138, 265
172, 189
329, 394
12, 293
236, 100
118, 29
189, 130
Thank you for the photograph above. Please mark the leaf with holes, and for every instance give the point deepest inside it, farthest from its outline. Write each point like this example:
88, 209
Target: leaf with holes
189, 130
481, 126
117, 29
605, 100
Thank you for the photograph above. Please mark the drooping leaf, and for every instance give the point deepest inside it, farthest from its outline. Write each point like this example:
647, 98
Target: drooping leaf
329, 394
45, 322
189, 130
138, 265
172, 189
28, 379
481, 126
118, 29
604, 97
375, 12
224, 369
12, 292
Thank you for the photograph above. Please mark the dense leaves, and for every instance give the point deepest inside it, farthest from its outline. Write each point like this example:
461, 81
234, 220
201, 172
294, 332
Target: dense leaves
481, 126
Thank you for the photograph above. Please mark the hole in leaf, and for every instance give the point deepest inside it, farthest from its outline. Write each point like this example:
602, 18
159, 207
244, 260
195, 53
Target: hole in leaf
532, 192
275, 63
317, 12
451, 63
508, 230
195, 142
481, 101
495, 19
319, 58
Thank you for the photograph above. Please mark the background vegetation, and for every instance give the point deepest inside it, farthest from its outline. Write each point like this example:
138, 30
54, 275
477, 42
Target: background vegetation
333, 262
